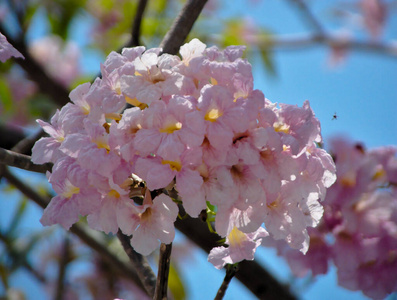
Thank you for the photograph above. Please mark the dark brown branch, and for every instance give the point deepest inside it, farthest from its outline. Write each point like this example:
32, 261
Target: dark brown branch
65, 259
126, 269
182, 25
136, 27
140, 263
163, 272
10, 136
231, 270
22, 161
25, 145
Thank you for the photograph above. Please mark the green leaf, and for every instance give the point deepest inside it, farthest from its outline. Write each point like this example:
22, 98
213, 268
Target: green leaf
232, 33
5, 97
267, 59
175, 283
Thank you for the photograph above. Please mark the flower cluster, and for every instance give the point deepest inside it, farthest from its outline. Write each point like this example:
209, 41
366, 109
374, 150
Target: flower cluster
198, 127
359, 228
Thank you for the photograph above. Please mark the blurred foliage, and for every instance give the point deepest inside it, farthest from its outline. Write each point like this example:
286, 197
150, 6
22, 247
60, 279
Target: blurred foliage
175, 283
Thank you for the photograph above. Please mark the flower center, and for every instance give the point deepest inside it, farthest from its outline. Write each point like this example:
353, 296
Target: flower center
236, 237
170, 128
212, 115
174, 165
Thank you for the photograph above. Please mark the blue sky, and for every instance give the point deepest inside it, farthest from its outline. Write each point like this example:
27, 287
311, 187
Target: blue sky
362, 92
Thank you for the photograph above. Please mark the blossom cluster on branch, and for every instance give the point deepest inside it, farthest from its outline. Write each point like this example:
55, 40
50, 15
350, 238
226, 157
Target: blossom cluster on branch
197, 127
359, 229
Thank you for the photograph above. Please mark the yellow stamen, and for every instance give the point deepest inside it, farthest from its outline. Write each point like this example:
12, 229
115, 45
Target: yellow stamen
135, 102
86, 109
281, 127
174, 165
171, 127
113, 116
114, 193
60, 139
213, 114
71, 191
380, 172
236, 237
349, 179
213, 81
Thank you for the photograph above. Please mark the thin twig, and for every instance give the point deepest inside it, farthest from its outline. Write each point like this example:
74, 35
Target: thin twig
231, 270
65, 259
17, 254
163, 272
182, 26
22, 161
145, 272
308, 16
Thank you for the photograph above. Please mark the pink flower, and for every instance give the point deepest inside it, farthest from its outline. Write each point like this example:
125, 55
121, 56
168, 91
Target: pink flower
374, 13
297, 126
220, 113
150, 223
75, 196
153, 78
200, 129
7, 50
165, 129
47, 148
240, 246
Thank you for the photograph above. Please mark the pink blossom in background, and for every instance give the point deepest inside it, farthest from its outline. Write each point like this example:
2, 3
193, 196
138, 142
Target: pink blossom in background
374, 15
358, 232
21, 90
60, 59
7, 50
198, 128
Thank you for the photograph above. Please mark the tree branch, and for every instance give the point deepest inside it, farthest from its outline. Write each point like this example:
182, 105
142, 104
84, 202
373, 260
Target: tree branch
25, 145
163, 272
10, 136
230, 272
182, 25
65, 259
140, 263
136, 26
303, 41
22, 161
308, 16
